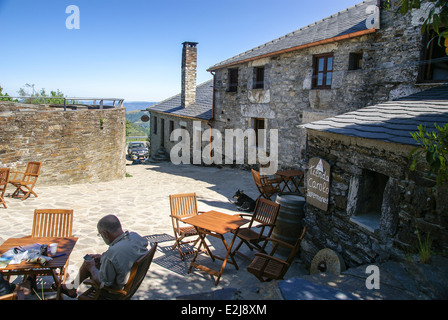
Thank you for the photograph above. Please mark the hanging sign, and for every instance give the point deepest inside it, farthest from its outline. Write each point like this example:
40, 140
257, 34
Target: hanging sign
318, 183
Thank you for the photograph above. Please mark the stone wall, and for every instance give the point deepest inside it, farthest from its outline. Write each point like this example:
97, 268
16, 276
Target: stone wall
74, 146
390, 69
407, 202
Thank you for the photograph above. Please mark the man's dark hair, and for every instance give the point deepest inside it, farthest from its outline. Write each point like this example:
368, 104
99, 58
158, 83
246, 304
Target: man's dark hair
109, 223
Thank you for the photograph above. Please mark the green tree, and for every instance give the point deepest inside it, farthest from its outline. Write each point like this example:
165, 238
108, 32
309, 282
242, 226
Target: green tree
5, 96
40, 97
433, 149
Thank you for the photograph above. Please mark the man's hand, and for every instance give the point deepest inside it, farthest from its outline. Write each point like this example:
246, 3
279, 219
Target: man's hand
90, 265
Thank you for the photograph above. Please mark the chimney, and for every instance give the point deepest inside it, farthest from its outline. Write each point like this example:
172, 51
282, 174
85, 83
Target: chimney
189, 64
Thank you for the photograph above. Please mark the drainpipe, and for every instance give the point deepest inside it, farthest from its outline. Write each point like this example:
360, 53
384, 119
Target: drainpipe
213, 110
210, 138
213, 96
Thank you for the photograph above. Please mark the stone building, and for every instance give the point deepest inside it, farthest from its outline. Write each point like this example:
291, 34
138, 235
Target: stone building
191, 109
357, 57
376, 204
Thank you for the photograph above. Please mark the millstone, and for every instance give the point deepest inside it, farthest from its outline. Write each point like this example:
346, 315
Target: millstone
327, 261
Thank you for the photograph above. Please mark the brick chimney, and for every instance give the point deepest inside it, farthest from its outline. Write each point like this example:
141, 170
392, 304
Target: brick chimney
189, 64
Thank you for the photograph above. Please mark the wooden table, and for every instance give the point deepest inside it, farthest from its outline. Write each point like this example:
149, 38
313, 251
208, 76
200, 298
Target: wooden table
65, 245
215, 224
296, 177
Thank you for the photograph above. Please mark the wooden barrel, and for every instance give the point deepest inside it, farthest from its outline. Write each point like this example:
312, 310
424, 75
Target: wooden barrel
289, 226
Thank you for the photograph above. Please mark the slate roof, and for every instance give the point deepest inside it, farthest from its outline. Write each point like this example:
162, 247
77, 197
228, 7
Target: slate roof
391, 121
201, 109
345, 22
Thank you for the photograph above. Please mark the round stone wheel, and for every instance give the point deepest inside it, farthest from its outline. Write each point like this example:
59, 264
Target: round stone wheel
327, 261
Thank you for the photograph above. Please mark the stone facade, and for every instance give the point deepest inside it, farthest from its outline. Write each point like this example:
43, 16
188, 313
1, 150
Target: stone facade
389, 69
362, 169
74, 146
193, 129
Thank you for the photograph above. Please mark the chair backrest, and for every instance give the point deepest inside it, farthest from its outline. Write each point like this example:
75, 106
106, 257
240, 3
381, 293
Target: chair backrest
32, 170
52, 223
183, 205
257, 178
4, 176
266, 211
138, 272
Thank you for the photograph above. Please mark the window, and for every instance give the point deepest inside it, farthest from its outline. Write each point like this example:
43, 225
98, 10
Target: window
162, 132
258, 78
435, 66
367, 193
171, 126
259, 124
323, 71
155, 125
233, 80
355, 61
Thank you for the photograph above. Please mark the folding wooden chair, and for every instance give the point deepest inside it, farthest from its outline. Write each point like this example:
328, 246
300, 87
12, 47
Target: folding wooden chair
264, 218
4, 176
53, 223
138, 272
267, 267
267, 187
25, 181
183, 206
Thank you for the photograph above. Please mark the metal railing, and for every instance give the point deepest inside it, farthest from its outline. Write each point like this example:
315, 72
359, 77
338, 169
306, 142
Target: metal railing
94, 101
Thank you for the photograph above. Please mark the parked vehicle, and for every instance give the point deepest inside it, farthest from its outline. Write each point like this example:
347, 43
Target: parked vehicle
138, 148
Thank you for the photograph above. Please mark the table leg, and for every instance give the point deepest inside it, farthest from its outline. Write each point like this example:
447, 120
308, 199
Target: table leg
58, 283
298, 183
228, 248
202, 239
286, 181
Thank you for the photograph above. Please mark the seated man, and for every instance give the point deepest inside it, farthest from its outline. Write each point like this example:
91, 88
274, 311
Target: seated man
111, 268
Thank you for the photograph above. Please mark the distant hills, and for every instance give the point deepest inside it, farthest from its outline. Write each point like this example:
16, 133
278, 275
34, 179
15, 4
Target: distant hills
134, 113
137, 105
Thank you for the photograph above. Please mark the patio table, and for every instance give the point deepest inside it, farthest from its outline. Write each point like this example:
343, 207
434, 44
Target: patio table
296, 177
64, 249
215, 224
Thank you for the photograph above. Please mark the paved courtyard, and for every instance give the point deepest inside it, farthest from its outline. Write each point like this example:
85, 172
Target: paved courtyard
141, 202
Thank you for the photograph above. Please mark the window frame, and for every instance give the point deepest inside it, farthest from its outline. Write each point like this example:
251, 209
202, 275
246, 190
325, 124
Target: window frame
355, 61
260, 139
233, 74
155, 126
258, 78
325, 71
171, 126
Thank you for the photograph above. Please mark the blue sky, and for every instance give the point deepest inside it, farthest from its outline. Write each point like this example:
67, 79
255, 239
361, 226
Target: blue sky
132, 49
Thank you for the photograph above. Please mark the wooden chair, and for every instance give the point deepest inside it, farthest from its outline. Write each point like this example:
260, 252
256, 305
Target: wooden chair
25, 180
264, 218
9, 296
53, 223
4, 176
267, 187
183, 206
136, 276
267, 267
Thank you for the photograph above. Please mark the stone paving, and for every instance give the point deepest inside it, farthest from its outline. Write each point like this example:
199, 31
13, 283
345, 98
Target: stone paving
141, 202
